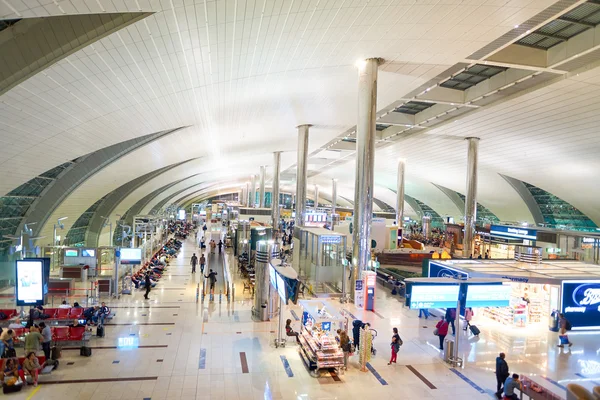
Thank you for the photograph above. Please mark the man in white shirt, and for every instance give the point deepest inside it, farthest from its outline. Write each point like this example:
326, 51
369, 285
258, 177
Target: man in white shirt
64, 305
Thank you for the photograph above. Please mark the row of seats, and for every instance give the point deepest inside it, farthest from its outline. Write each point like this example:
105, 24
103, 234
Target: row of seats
59, 333
64, 313
41, 359
8, 313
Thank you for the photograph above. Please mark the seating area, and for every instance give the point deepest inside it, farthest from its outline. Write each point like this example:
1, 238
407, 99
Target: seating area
8, 313
63, 313
246, 269
59, 333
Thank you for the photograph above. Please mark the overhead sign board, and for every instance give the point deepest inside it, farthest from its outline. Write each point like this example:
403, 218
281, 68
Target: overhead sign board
513, 232
443, 271
433, 296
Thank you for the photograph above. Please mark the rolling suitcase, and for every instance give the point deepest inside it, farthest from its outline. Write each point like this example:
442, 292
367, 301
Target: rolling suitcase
474, 330
100, 331
85, 351
55, 352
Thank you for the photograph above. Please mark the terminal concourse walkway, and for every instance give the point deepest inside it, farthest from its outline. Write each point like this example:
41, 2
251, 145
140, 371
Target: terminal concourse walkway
172, 347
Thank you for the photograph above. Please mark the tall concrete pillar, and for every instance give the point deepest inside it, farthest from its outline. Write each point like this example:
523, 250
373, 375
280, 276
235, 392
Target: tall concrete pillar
365, 162
247, 195
275, 191
471, 197
261, 190
400, 193
301, 170
252, 202
264, 253
316, 197
333, 202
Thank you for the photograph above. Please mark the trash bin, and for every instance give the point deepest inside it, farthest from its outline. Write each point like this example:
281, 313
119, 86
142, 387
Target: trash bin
264, 312
448, 350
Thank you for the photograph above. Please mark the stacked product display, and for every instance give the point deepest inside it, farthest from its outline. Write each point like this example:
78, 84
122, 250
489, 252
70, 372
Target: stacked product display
319, 348
529, 305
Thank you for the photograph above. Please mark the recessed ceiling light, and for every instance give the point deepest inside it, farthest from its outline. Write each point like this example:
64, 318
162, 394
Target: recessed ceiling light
516, 26
528, 31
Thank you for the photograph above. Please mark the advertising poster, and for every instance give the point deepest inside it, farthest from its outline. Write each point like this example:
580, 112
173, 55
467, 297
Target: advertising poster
359, 295
488, 296
443, 271
581, 303
30, 282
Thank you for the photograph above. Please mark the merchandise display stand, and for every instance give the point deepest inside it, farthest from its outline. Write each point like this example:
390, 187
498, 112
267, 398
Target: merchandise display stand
318, 346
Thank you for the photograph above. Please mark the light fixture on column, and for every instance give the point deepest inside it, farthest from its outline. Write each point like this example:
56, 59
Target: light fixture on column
59, 224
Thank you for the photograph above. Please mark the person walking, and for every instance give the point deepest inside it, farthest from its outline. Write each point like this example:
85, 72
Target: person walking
395, 345
220, 244
424, 312
501, 373
450, 317
202, 263
212, 246
468, 317
194, 262
346, 347
147, 285
441, 331
212, 278
564, 326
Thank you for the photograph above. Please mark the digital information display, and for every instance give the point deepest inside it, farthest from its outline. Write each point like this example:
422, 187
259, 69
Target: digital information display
488, 296
281, 288
71, 253
581, 303
433, 296
131, 256
30, 282
88, 253
273, 276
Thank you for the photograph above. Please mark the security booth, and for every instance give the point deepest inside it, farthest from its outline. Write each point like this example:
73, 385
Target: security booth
319, 259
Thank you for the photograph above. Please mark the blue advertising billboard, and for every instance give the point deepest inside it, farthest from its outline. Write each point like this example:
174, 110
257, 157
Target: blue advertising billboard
442, 271
433, 296
488, 295
581, 303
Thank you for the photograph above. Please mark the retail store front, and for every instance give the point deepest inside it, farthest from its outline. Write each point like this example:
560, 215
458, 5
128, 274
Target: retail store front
537, 290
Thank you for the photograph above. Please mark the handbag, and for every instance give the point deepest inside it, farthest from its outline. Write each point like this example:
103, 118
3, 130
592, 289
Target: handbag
435, 332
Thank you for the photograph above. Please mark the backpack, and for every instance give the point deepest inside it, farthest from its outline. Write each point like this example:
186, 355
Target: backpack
568, 325
2, 315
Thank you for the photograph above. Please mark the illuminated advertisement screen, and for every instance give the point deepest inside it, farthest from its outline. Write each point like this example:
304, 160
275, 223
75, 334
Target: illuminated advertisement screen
88, 253
281, 288
493, 295
581, 303
433, 296
131, 256
30, 282
273, 276
72, 253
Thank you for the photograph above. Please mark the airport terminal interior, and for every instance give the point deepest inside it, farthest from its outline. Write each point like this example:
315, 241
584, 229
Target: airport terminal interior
300, 199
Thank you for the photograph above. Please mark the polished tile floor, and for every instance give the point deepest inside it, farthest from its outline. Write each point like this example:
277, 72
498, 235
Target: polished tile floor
191, 350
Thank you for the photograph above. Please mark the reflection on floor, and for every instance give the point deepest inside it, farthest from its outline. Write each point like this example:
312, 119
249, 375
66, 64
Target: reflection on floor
172, 347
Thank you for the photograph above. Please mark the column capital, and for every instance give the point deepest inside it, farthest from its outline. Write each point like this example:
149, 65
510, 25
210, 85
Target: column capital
304, 125
472, 138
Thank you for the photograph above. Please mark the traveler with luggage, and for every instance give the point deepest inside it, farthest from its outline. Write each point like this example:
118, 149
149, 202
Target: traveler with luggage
441, 330
501, 373
564, 326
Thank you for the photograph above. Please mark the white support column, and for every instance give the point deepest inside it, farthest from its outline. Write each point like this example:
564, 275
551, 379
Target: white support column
333, 202
275, 190
301, 171
252, 203
400, 193
316, 197
261, 190
365, 162
471, 197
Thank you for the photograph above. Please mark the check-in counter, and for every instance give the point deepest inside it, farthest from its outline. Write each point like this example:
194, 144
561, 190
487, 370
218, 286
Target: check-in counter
60, 286
72, 272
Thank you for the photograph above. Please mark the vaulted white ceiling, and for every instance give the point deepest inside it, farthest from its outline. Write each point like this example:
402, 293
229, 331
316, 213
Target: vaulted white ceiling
242, 74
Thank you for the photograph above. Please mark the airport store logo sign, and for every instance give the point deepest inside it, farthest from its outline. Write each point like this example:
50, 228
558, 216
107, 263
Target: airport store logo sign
586, 295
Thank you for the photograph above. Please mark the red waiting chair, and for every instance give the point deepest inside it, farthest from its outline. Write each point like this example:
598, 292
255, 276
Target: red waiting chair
8, 312
76, 332
63, 313
60, 333
51, 312
76, 313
